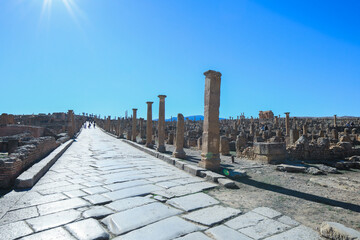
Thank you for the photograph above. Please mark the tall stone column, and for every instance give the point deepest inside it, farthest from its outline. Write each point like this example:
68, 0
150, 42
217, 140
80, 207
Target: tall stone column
287, 124
304, 130
161, 124
149, 125
335, 125
133, 132
210, 157
179, 145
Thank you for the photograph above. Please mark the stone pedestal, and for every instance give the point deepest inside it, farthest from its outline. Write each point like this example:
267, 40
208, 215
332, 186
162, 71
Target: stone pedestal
179, 147
210, 158
149, 125
224, 146
270, 152
133, 130
161, 125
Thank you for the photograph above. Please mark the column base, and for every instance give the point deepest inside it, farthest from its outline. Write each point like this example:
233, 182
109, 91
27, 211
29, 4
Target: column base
149, 145
179, 154
161, 149
212, 164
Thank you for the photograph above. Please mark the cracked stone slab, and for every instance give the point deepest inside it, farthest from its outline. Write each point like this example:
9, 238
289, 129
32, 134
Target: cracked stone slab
211, 215
186, 189
134, 218
95, 190
298, 233
194, 235
53, 220
97, 212
225, 233
122, 185
193, 201
20, 214
14, 230
265, 228
288, 221
52, 234
267, 212
168, 228
132, 192
61, 205
97, 199
246, 220
87, 230
127, 203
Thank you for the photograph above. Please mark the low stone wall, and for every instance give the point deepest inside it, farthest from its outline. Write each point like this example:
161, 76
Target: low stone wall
23, 157
9, 130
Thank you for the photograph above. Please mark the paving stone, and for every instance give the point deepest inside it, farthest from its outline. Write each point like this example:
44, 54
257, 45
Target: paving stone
335, 230
195, 235
97, 199
118, 186
52, 234
95, 190
190, 188
34, 200
298, 233
132, 192
212, 215
127, 203
14, 230
225, 233
134, 218
193, 201
212, 176
288, 221
265, 228
188, 180
20, 214
61, 189
53, 220
267, 212
167, 184
87, 229
75, 193
97, 212
168, 228
61, 205
246, 220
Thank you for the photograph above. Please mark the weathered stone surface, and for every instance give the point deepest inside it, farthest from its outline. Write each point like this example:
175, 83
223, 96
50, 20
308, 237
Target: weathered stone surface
118, 186
14, 230
265, 228
297, 233
212, 215
193, 201
132, 192
288, 221
52, 234
97, 199
62, 205
338, 231
225, 233
193, 170
134, 218
246, 220
168, 228
212, 176
53, 220
290, 168
20, 214
124, 204
267, 212
87, 230
195, 235
97, 212
95, 190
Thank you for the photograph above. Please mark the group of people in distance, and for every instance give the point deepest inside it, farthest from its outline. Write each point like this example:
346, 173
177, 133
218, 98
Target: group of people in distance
90, 124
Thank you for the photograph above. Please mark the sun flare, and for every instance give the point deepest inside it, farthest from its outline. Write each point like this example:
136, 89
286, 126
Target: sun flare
70, 5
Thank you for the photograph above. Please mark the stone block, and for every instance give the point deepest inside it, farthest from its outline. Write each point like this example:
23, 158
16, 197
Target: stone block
337, 231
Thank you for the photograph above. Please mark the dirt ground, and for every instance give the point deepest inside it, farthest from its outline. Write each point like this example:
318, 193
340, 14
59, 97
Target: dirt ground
307, 198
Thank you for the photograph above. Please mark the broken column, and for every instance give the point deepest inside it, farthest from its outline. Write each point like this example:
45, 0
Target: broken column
133, 132
287, 124
149, 125
161, 125
335, 125
210, 158
179, 145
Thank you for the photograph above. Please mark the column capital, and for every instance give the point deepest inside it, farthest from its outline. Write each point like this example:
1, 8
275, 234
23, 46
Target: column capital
134, 109
149, 102
162, 96
212, 73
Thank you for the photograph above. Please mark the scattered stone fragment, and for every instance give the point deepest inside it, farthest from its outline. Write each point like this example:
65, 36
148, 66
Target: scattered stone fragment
338, 231
291, 168
227, 183
314, 171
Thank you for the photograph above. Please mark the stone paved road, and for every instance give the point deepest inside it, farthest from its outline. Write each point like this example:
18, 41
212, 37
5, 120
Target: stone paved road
103, 188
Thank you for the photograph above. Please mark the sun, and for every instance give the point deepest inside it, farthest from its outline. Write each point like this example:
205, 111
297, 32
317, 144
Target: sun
70, 6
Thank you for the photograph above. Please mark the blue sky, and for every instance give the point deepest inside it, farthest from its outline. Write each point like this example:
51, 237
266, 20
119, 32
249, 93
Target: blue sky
108, 56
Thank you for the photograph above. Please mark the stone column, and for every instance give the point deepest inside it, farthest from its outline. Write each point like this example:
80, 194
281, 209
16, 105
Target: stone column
179, 147
335, 125
141, 128
210, 158
287, 123
71, 124
304, 133
149, 125
133, 132
161, 124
